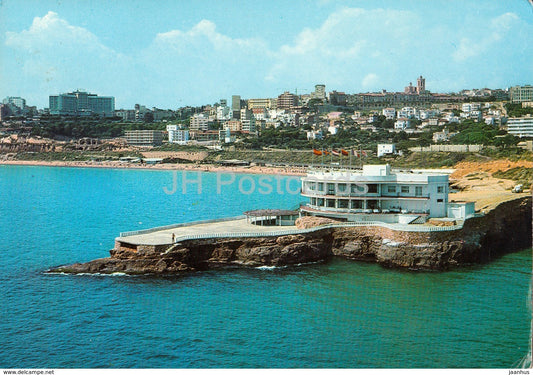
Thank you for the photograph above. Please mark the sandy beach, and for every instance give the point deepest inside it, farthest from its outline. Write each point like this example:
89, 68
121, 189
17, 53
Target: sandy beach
167, 166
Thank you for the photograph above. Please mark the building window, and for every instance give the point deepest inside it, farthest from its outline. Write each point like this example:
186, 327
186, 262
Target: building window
357, 189
320, 186
440, 189
391, 189
330, 203
418, 191
357, 204
331, 189
440, 200
405, 189
343, 203
311, 185
341, 188
372, 204
313, 201
372, 188
320, 202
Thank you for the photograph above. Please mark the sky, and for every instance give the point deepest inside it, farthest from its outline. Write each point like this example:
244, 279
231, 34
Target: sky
172, 53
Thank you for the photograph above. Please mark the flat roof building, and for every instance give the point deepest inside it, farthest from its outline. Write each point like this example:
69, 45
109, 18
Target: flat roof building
519, 94
376, 194
144, 137
81, 103
520, 126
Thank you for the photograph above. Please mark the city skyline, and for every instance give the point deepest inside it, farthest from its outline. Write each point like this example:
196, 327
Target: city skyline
172, 54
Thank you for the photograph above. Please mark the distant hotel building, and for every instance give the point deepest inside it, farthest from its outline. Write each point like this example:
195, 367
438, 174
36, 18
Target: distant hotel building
81, 103
319, 93
144, 137
176, 135
287, 101
519, 94
199, 121
262, 103
520, 126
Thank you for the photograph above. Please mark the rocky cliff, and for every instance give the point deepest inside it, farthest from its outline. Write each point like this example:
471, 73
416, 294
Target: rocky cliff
505, 229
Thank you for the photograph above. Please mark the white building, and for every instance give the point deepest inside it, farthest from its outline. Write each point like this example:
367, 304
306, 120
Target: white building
376, 194
469, 107
520, 126
177, 135
314, 134
223, 113
389, 113
443, 136
333, 130
386, 149
407, 112
402, 123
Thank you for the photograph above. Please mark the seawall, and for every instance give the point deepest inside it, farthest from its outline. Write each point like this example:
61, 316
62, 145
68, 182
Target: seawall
504, 229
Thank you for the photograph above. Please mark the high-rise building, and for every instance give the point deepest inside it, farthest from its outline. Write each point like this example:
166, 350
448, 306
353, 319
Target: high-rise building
319, 93
236, 106
287, 100
81, 103
420, 85
16, 101
519, 94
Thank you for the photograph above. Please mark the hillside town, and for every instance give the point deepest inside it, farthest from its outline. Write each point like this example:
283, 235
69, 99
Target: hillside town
379, 123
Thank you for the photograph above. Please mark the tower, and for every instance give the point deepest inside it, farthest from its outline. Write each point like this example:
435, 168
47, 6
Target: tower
420, 85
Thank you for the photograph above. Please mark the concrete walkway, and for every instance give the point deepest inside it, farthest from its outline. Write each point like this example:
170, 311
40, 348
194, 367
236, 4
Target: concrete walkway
164, 237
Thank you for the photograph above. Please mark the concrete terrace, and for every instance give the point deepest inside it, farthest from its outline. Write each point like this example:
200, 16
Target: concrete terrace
164, 236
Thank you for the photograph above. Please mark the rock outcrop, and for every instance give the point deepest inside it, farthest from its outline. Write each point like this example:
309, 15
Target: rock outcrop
505, 229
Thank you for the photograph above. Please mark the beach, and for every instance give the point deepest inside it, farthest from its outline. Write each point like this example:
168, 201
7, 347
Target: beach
286, 171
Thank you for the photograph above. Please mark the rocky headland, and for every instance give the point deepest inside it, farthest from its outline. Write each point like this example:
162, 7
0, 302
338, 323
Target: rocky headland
505, 228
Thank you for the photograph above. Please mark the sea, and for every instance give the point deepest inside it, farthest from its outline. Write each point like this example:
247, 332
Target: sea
334, 314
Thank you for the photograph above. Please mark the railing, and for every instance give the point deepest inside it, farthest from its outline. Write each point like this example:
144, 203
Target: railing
397, 227
172, 226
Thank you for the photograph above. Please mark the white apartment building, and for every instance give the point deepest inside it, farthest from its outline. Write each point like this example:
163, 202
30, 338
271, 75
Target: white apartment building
177, 135
402, 123
223, 113
389, 113
469, 107
520, 126
407, 112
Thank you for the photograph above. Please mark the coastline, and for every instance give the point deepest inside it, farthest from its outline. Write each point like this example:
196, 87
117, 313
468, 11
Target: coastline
167, 166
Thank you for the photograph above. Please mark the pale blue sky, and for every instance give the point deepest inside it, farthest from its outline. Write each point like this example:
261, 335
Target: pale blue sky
172, 53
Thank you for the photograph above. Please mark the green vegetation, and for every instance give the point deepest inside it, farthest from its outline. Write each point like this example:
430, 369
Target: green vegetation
521, 175
93, 127
471, 132
516, 110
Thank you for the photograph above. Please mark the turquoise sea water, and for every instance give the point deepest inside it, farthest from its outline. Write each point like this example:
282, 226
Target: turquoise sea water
334, 314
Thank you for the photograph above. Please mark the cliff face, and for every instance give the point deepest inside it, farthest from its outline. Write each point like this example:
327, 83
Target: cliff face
213, 253
505, 229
